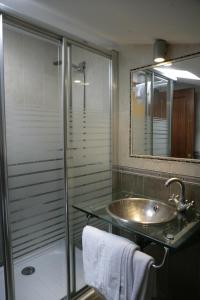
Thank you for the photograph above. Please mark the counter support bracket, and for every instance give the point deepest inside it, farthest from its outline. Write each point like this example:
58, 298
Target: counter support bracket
166, 251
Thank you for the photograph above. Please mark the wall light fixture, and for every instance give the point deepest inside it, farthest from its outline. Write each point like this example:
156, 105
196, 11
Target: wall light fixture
159, 50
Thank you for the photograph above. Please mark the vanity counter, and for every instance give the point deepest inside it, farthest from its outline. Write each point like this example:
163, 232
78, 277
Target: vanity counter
171, 234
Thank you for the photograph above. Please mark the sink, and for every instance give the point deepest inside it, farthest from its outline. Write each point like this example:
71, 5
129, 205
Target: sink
141, 210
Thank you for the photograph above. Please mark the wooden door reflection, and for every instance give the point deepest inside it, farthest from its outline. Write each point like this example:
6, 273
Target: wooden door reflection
183, 116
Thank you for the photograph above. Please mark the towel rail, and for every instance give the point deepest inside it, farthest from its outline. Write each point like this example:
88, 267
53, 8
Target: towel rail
157, 267
163, 260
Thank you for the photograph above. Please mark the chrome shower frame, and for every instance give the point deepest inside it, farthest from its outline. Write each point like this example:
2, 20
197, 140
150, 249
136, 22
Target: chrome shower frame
4, 212
10, 17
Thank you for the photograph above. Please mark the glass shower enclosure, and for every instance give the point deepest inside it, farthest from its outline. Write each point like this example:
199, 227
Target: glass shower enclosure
55, 152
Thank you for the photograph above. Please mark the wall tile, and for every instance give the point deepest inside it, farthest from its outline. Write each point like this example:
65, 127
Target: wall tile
115, 181
152, 186
131, 183
193, 194
155, 188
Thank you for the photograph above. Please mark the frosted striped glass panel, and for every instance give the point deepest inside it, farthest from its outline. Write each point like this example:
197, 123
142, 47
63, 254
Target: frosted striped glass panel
150, 120
89, 136
34, 141
160, 116
141, 122
160, 137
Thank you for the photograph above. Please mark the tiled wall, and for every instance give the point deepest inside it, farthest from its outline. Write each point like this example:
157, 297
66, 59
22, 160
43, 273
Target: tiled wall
131, 181
173, 281
146, 176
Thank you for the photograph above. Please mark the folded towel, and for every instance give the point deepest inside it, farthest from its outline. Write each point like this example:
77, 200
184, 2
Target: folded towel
114, 266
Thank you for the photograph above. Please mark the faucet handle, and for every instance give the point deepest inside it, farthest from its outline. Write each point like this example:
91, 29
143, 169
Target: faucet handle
182, 207
171, 198
174, 198
189, 204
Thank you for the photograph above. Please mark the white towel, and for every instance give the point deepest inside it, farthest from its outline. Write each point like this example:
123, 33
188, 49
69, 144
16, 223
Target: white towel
144, 277
114, 266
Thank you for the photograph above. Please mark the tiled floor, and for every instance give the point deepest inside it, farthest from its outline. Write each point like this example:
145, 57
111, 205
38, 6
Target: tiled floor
49, 279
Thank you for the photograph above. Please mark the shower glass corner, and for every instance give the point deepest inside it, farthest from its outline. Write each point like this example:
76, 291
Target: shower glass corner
55, 151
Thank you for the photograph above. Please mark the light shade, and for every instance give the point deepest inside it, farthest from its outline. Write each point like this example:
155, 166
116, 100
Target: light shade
159, 50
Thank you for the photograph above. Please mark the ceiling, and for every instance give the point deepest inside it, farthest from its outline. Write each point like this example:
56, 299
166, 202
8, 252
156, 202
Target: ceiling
121, 22
191, 64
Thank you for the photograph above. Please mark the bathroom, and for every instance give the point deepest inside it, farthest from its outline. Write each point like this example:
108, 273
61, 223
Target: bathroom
66, 140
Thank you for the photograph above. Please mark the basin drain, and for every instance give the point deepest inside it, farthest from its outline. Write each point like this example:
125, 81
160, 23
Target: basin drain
28, 270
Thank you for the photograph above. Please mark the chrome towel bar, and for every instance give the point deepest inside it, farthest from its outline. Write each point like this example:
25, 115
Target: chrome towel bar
163, 260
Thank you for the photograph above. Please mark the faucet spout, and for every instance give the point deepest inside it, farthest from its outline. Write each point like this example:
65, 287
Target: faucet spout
182, 203
182, 187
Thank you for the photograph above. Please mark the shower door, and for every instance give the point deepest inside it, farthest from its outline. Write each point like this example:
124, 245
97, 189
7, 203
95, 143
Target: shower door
35, 163
88, 146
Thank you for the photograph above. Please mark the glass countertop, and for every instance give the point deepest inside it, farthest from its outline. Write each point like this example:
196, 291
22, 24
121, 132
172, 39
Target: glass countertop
172, 234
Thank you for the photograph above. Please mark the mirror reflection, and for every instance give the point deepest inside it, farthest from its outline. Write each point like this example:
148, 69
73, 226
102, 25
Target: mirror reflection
165, 109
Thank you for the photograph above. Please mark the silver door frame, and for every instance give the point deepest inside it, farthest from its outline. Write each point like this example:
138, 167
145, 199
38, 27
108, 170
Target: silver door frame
4, 211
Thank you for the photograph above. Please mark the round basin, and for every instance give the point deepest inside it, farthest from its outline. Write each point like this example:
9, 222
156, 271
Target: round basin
141, 210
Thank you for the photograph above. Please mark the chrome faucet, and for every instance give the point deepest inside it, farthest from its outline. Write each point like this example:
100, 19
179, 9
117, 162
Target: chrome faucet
181, 203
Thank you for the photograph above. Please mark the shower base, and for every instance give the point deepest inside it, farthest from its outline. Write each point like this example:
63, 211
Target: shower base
49, 279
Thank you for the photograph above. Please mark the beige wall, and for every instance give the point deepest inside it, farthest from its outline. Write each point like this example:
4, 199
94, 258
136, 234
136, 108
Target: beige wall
132, 57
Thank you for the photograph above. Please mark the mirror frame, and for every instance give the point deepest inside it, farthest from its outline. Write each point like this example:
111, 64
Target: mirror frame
165, 158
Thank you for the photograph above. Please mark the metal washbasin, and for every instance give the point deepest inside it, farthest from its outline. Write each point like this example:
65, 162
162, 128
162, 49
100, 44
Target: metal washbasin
141, 210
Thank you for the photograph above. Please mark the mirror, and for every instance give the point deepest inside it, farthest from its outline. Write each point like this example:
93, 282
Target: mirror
165, 109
